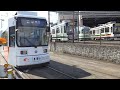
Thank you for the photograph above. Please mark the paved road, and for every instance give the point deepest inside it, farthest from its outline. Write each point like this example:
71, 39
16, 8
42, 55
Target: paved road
76, 66
85, 68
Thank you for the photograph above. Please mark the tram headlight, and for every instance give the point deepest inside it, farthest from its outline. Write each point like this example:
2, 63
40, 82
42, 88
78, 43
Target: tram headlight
45, 50
23, 52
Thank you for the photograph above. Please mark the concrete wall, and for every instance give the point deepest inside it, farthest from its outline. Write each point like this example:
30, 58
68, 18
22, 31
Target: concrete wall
100, 52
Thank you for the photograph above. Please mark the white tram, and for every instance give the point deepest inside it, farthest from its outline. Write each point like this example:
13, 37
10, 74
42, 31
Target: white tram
84, 33
108, 31
27, 41
64, 32
59, 32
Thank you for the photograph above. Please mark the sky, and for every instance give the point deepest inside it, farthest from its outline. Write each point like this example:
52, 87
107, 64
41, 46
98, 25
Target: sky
53, 15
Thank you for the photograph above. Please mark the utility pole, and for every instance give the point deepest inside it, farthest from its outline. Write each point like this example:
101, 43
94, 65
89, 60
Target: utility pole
49, 33
49, 25
1, 22
73, 26
49, 18
78, 26
100, 36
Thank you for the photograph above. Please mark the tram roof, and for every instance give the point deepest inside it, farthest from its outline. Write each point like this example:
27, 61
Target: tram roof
30, 16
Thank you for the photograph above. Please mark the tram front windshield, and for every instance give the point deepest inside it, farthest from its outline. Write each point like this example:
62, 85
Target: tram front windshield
29, 35
86, 30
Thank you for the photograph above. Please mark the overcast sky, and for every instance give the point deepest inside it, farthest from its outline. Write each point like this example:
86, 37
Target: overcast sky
53, 16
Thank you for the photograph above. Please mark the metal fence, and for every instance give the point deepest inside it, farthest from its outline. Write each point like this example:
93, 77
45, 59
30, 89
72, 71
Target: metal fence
99, 41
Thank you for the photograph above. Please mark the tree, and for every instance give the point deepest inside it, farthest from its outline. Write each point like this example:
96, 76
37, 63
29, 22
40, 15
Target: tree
3, 41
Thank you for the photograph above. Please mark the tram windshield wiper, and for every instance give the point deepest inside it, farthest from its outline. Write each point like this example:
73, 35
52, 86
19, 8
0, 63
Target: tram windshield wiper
30, 42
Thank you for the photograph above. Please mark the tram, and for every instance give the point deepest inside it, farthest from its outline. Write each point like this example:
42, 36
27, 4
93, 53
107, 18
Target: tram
27, 40
59, 32
107, 31
64, 31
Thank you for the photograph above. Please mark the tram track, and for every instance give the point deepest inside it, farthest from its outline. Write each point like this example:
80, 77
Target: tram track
60, 75
61, 72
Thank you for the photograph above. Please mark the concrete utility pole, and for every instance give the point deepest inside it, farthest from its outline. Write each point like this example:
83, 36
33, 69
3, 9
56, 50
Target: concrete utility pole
1, 22
49, 24
73, 26
78, 25
80, 20
49, 18
49, 34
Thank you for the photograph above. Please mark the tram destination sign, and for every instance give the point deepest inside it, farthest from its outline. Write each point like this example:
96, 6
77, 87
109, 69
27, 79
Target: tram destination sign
32, 22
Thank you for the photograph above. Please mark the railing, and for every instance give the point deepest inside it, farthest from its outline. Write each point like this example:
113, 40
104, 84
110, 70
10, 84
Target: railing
84, 40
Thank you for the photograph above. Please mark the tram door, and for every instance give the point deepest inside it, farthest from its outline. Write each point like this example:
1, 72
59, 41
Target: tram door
12, 50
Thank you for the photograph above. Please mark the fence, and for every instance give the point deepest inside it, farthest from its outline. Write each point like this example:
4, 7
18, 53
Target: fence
99, 40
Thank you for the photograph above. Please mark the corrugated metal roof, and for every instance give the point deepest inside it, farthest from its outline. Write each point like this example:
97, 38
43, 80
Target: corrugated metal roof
91, 14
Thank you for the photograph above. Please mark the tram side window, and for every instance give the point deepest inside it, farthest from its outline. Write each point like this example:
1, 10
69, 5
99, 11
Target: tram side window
102, 30
93, 31
107, 29
57, 30
82, 31
111, 29
61, 29
12, 36
98, 31
78, 32
117, 29
53, 31
5, 35
64, 29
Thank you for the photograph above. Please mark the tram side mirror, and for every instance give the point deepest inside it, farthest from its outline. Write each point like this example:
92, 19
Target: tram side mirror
48, 29
15, 18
